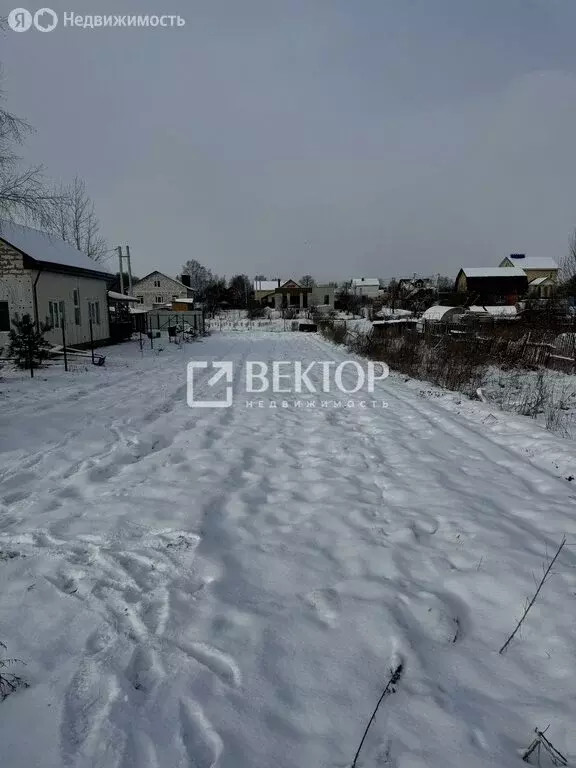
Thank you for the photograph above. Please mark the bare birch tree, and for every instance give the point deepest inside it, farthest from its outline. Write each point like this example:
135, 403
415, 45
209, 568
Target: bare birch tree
75, 221
23, 191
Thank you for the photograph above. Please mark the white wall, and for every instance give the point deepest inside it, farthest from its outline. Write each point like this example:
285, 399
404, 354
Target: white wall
371, 291
53, 286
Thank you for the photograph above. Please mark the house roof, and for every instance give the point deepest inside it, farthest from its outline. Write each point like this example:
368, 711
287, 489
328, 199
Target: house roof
121, 296
48, 249
371, 282
507, 310
173, 279
437, 312
394, 321
540, 281
493, 272
533, 262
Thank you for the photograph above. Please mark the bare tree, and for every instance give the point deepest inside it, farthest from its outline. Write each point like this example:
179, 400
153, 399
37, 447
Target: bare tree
23, 192
568, 263
307, 281
445, 283
75, 221
200, 277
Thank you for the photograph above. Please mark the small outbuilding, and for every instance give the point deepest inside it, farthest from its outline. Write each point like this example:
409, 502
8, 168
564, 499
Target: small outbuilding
491, 285
439, 314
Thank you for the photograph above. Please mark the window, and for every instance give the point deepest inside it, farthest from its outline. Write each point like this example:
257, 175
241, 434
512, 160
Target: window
94, 312
140, 299
159, 300
4, 316
326, 299
77, 317
54, 309
175, 296
156, 283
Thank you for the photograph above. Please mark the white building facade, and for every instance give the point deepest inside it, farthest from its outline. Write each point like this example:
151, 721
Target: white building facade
367, 287
54, 283
157, 289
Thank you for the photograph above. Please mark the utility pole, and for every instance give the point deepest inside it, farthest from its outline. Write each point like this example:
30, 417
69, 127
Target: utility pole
119, 249
129, 270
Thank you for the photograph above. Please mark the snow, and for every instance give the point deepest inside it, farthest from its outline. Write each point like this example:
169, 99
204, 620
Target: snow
438, 313
389, 312
47, 249
393, 321
121, 296
230, 587
371, 282
536, 262
499, 311
493, 272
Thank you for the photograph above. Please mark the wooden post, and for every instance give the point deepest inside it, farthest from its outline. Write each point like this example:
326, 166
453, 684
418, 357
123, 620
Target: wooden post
64, 346
92, 340
129, 270
31, 358
119, 249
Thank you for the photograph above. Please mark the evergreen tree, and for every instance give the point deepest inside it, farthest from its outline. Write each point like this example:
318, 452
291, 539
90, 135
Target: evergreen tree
28, 347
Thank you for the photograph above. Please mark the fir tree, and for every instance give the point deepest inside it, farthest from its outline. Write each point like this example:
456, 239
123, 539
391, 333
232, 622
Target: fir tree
28, 347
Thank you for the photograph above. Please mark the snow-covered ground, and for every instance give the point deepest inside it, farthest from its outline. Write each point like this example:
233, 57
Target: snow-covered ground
546, 395
230, 587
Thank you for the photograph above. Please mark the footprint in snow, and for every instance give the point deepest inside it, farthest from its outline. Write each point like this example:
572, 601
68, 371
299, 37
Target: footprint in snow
326, 605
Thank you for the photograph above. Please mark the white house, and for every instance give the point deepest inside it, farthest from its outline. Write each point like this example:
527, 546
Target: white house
368, 287
157, 289
541, 271
48, 279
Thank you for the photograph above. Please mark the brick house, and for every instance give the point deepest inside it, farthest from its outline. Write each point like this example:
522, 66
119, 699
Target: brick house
289, 294
48, 279
157, 289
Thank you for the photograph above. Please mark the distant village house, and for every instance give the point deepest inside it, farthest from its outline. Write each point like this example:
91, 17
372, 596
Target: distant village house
367, 287
492, 285
157, 289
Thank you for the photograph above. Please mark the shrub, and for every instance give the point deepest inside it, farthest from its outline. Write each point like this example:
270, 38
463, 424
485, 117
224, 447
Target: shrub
28, 347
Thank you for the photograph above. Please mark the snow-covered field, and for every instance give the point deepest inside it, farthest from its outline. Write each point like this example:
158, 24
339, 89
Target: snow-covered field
545, 395
230, 587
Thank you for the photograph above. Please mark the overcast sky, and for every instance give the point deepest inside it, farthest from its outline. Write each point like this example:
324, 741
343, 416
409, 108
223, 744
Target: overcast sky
335, 137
